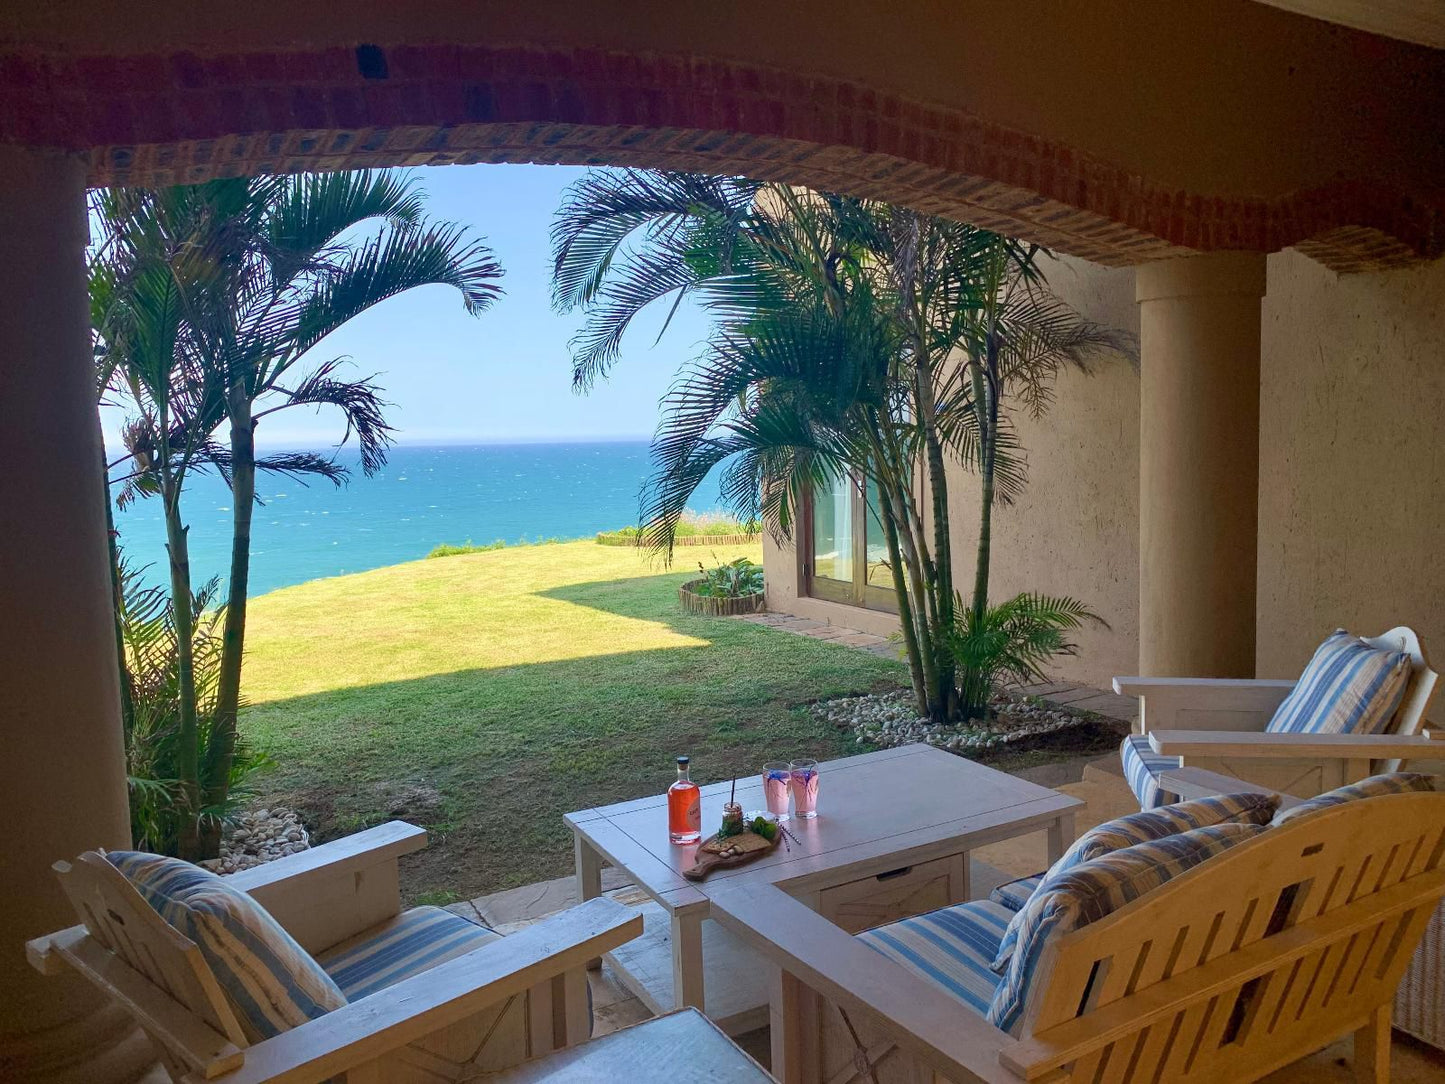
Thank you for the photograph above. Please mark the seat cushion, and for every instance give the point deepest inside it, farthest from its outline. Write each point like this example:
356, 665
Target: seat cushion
271, 982
1094, 889
951, 948
1015, 894
1141, 827
412, 942
1389, 783
1348, 687
1142, 768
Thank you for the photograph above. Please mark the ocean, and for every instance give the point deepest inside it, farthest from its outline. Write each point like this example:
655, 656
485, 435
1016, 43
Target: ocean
424, 496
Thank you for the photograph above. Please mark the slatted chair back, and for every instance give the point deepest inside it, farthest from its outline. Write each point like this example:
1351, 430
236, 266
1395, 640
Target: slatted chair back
118, 917
1242, 963
1410, 715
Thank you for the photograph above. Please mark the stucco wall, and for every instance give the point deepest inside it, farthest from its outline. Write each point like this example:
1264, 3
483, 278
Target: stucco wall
1352, 458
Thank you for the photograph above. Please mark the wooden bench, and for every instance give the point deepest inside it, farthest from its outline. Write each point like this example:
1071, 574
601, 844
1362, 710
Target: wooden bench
1247, 962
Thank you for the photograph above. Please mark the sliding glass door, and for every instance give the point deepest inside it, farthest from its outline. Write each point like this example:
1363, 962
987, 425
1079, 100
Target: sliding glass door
848, 558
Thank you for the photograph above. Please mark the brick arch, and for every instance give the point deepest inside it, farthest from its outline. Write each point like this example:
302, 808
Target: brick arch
161, 119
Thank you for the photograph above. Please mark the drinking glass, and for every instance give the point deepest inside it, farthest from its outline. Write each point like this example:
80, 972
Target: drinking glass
804, 780
777, 774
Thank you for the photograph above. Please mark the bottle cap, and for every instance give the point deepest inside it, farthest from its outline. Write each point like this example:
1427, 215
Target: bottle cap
683, 762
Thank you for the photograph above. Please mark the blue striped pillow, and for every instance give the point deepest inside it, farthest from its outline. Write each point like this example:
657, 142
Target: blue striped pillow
1094, 889
1349, 687
1388, 783
1141, 827
270, 981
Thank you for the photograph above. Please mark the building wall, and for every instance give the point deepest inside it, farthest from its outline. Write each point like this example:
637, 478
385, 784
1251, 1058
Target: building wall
1352, 458
1352, 473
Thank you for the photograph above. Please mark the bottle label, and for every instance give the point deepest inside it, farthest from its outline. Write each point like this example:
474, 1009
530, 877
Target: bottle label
694, 815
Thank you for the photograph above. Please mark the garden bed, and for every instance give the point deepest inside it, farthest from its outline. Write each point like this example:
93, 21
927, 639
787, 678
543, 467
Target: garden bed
891, 718
716, 606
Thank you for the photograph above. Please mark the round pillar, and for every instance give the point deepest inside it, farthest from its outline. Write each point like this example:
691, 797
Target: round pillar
62, 766
1199, 322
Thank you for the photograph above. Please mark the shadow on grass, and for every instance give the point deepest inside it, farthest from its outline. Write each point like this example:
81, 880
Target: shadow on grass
490, 758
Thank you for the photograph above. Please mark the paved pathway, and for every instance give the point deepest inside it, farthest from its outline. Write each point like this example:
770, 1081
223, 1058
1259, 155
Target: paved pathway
1122, 709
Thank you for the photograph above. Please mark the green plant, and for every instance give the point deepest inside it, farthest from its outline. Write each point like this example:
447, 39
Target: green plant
735, 579
207, 302
1011, 643
446, 549
161, 811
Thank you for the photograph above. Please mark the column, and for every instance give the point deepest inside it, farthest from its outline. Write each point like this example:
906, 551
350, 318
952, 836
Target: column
62, 766
1199, 322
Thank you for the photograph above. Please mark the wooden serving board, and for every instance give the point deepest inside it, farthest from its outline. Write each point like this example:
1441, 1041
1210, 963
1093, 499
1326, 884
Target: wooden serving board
709, 857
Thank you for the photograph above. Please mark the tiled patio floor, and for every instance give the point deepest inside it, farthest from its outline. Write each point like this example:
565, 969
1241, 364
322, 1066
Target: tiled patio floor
1106, 796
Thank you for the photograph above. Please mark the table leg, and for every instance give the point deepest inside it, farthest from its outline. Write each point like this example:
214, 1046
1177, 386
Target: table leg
589, 879
1061, 834
687, 983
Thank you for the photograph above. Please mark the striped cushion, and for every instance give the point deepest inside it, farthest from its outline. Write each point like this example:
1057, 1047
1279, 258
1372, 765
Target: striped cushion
1141, 827
1016, 893
950, 948
1390, 783
1094, 889
406, 945
1348, 687
1142, 768
269, 980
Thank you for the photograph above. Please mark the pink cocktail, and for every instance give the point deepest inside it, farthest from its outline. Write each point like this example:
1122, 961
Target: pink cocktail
804, 780
777, 777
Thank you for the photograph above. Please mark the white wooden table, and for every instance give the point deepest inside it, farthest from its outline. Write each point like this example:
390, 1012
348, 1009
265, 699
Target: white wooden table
892, 839
683, 1046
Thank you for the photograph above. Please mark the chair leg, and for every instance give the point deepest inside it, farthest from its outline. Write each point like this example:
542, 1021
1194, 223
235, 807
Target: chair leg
1372, 1048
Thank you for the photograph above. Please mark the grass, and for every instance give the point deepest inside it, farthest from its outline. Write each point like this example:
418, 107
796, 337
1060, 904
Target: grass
447, 549
486, 695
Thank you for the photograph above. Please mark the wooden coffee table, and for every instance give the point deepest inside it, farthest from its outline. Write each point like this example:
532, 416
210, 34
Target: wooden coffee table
891, 840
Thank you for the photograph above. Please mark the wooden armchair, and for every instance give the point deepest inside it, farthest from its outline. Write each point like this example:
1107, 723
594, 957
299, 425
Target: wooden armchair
1218, 725
1253, 959
513, 998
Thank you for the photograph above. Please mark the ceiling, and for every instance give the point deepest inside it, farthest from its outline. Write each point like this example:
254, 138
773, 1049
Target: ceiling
1418, 21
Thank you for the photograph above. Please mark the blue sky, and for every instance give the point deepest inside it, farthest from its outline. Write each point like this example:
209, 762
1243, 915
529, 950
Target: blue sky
504, 376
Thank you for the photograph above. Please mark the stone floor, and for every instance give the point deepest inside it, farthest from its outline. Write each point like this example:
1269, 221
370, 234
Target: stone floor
1105, 794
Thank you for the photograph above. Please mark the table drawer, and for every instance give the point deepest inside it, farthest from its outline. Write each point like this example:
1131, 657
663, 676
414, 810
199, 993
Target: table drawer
900, 893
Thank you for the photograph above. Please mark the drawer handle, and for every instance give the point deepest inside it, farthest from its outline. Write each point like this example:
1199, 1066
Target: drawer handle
892, 873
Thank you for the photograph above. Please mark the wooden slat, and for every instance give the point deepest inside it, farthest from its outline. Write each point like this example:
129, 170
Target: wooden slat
199, 1047
1215, 743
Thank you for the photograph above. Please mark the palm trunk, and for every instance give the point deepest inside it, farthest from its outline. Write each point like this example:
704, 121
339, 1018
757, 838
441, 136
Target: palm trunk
905, 607
985, 395
222, 751
942, 544
187, 727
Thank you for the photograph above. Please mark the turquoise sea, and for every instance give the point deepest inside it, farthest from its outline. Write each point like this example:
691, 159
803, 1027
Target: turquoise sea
424, 496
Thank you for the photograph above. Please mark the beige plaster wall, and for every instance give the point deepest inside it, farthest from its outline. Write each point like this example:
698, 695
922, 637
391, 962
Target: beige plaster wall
1352, 458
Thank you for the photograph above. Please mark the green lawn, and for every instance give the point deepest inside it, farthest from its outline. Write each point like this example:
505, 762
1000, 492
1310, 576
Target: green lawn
485, 695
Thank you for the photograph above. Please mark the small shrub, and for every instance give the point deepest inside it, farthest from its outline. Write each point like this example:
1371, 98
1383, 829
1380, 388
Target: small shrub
735, 579
1012, 643
448, 550
693, 525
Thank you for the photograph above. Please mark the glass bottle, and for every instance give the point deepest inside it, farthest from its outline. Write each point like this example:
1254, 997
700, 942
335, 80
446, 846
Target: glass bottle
684, 807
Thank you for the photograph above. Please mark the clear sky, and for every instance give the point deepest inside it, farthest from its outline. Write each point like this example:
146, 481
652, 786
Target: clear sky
504, 376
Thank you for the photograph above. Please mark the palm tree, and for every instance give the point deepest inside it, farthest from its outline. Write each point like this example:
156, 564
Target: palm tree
288, 261
844, 333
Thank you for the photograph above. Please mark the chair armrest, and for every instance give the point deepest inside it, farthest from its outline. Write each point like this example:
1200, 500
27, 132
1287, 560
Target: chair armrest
1210, 743
930, 1025
1242, 704
326, 894
369, 1028
1191, 783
